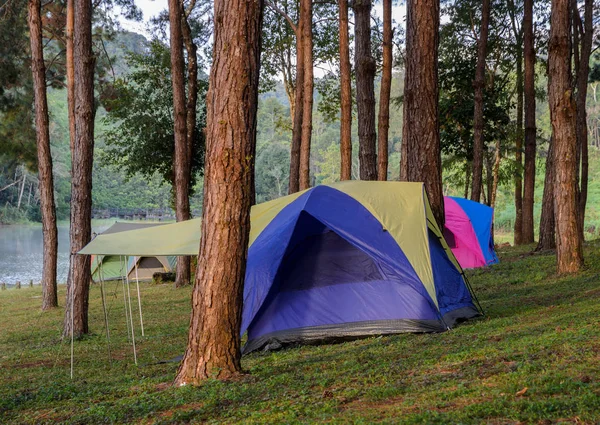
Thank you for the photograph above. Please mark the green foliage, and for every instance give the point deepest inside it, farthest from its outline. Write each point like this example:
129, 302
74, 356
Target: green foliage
540, 332
139, 137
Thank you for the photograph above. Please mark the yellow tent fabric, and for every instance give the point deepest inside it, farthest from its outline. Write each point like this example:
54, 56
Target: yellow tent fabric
401, 207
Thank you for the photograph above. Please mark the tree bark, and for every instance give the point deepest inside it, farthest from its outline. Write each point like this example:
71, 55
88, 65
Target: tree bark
181, 163
569, 250
547, 238
346, 96
496, 173
70, 74
383, 124
213, 349
530, 130
421, 157
582, 76
365, 67
46, 182
479, 85
519, 153
308, 84
294, 185
76, 312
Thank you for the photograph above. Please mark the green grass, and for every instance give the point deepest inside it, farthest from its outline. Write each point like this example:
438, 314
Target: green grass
541, 332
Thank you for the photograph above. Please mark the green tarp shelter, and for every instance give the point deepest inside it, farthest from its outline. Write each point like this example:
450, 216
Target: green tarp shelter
120, 264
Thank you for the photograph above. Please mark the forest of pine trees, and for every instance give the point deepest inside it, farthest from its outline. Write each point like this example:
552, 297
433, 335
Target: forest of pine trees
232, 103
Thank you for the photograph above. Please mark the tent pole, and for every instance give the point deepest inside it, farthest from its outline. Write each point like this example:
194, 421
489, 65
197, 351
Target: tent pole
125, 298
102, 292
72, 317
131, 319
137, 283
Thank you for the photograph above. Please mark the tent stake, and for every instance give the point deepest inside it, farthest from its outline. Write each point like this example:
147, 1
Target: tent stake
137, 283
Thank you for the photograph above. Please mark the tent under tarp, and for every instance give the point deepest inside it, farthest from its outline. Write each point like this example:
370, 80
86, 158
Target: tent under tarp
118, 266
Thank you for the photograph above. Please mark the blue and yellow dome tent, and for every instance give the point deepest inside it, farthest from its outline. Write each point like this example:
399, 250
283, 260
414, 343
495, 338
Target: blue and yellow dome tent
338, 261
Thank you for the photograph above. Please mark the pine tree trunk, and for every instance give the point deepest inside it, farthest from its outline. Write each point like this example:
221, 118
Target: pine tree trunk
307, 101
365, 67
294, 185
569, 250
547, 238
70, 74
530, 130
181, 174
346, 95
496, 173
213, 349
78, 284
383, 124
582, 88
191, 136
46, 181
519, 152
467, 180
479, 85
421, 157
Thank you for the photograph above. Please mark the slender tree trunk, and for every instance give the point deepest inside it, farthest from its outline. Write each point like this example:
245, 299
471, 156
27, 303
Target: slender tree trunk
294, 185
479, 85
365, 67
70, 67
307, 104
467, 179
421, 157
383, 124
530, 130
78, 284
22, 190
184, 263
489, 178
519, 152
569, 250
181, 174
582, 87
547, 238
46, 183
213, 349
346, 96
496, 173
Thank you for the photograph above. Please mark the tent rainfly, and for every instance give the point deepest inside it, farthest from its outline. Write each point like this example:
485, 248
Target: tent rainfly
340, 261
468, 231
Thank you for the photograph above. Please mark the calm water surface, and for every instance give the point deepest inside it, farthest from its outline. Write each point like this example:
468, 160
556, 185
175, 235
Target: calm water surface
21, 252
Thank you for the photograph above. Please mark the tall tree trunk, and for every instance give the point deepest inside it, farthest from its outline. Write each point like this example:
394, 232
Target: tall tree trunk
307, 104
467, 179
181, 173
421, 157
365, 67
569, 249
184, 263
530, 131
496, 173
78, 284
70, 67
383, 124
547, 238
346, 96
22, 190
213, 349
582, 76
489, 178
46, 181
294, 185
519, 152
479, 85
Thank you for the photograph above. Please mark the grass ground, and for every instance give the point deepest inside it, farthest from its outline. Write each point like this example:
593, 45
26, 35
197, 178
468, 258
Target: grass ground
534, 358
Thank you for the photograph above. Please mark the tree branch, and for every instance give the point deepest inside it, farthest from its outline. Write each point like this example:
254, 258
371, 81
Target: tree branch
275, 8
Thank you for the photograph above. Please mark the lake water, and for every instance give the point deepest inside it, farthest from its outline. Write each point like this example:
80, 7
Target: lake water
21, 252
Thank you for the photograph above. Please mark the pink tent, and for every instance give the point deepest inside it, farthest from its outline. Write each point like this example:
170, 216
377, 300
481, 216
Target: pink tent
468, 232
